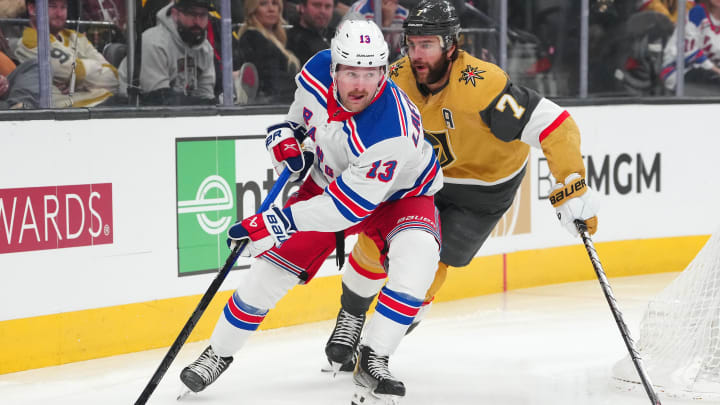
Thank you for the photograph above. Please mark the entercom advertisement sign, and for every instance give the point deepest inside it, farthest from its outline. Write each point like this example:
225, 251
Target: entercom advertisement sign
218, 181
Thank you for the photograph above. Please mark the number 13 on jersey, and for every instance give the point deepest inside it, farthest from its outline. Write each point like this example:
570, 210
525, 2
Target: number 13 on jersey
382, 171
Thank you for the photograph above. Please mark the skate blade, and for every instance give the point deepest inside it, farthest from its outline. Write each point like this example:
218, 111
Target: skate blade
184, 392
332, 368
365, 396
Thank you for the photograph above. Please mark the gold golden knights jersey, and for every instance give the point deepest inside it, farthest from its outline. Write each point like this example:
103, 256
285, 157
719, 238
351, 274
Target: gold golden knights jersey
482, 125
96, 79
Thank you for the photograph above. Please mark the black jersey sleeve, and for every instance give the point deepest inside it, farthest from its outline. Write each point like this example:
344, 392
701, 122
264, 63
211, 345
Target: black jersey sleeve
509, 112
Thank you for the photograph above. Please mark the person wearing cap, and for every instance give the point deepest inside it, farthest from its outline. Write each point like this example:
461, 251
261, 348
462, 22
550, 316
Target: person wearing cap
177, 60
81, 77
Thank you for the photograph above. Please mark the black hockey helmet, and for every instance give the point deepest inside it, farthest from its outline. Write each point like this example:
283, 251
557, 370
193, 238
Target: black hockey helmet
434, 17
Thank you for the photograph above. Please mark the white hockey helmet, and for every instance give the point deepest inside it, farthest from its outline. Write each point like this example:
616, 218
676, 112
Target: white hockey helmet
359, 43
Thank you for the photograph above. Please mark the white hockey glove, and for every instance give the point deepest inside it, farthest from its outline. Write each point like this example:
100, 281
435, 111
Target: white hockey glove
263, 231
575, 200
283, 144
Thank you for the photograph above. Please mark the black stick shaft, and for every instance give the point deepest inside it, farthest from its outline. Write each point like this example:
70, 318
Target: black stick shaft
610, 297
205, 300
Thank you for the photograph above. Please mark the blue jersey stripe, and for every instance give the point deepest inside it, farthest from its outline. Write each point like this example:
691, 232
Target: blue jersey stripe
402, 298
394, 316
319, 97
400, 193
238, 323
353, 196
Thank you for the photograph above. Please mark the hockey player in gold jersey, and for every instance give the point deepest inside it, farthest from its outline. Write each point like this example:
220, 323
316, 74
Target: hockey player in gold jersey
482, 127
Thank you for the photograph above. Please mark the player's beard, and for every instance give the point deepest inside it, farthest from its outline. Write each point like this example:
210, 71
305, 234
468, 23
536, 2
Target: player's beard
435, 72
193, 35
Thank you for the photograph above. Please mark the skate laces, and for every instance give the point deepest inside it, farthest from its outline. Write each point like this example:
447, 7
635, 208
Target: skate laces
377, 366
208, 366
348, 329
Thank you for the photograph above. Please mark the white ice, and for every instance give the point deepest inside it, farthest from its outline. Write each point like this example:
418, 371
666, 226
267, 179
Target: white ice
548, 345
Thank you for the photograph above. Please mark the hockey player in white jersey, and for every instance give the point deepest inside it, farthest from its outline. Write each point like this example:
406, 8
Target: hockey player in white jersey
373, 173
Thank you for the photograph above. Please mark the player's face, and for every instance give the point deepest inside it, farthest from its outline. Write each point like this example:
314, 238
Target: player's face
357, 85
316, 14
428, 61
268, 13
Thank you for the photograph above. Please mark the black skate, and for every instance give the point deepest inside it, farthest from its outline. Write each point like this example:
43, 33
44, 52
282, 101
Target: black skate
205, 370
374, 383
341, 348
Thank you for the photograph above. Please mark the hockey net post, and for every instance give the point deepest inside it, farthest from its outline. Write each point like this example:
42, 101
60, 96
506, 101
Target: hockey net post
680, 333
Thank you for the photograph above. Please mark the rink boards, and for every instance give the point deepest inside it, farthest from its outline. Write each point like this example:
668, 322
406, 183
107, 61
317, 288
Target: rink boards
111, 229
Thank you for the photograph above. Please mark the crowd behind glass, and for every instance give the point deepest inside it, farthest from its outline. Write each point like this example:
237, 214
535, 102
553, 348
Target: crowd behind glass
171, 52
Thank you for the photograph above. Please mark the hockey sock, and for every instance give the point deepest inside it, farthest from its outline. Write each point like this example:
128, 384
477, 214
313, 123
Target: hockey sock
394, 313
354, 303
259, 291
237, 322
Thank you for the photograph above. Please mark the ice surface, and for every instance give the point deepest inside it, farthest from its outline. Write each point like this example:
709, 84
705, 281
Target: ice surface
548, 345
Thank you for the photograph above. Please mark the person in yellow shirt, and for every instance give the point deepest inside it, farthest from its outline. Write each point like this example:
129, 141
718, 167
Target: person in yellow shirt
668, 8
482, 126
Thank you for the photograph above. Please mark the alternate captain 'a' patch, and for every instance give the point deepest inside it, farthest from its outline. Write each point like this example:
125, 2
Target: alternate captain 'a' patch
395, 69
441, 145
470, 74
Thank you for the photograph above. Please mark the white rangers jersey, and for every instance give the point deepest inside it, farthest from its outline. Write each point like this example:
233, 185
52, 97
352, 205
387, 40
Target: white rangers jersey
362, 159
702, 45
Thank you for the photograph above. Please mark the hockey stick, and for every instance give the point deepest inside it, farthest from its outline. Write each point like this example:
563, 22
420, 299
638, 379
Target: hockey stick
206, 298
607, 290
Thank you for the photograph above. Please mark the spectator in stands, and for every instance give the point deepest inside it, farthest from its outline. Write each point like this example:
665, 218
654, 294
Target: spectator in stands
262, 43
668, 8
393, 16
6, 67
4, 86
702, 52
81, 76
177, 60
22, 89
6, 64
310, 33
